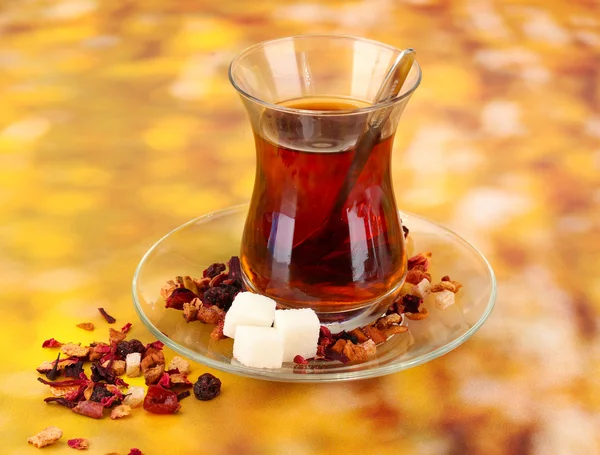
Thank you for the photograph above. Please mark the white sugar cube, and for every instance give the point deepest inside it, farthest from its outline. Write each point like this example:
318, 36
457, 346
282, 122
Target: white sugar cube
422, 289
259, 347
300, 332
249, 309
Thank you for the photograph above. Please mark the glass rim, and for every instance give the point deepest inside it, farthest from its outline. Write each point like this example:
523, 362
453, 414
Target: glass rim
291, 110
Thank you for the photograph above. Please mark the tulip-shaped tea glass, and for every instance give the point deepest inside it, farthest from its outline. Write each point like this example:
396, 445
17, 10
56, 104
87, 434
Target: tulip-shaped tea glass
323, 230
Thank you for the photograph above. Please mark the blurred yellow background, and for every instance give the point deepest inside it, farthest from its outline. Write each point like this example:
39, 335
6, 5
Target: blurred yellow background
118, 123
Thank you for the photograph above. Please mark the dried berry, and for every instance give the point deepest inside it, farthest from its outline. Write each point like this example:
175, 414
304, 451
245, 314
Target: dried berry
213, 270
107, 316
222, 296
129, 347
100, 391
89, 409
135, 451
207, 387
178, 297
161, 401
411, 303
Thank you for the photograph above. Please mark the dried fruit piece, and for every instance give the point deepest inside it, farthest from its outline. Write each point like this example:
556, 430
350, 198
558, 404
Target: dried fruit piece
420, 261
75, 350
161, 401
116, 336
207, 387
91, 409
51, 343
180, 364
135, 451
120, 411
86, 326
153, 375
107, 316
47, 436
217, 333
134, 397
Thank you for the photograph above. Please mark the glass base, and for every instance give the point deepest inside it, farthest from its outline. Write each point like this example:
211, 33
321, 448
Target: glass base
339, 321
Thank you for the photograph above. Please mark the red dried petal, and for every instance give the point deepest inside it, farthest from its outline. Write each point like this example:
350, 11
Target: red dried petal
161, 401
213, 270
135, 451
164, 381
78, 443
156, 345
300, 360
126, 327
107, 316
178, 297
51, 343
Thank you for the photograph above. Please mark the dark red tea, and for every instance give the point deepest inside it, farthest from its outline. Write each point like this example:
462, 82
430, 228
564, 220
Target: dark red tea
297, 248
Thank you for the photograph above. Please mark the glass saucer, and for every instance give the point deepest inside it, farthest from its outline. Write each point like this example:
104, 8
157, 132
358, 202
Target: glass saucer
215, 237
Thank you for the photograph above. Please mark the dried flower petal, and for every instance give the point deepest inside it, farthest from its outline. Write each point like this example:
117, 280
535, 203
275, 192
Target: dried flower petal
300, 360
78, 443
135, 451
178, 297
86, 326
213, 270
126, 327
51, 343
74, 370
420, 261
107, 316
155, 345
